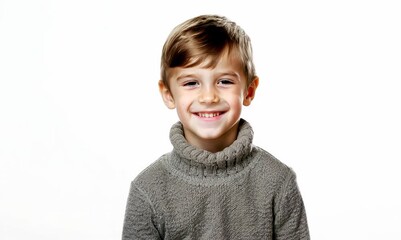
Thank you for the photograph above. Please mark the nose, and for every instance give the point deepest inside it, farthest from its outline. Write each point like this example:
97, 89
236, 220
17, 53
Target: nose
208, 95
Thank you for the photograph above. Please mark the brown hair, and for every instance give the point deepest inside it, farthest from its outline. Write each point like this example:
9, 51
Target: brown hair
202, 40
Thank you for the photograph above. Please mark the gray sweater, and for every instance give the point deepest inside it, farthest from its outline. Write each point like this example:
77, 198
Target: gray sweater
242, 192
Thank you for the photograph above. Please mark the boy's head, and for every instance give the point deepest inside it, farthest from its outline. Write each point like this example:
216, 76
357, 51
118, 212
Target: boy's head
202, 40
207, 76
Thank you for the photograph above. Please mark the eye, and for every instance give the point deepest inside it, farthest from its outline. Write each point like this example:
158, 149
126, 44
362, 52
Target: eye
190, 84
225, 82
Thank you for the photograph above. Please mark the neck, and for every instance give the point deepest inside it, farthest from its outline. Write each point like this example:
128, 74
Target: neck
199, 162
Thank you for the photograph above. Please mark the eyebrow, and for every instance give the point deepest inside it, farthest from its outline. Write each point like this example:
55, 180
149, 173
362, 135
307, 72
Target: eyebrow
190, 75
185, 76
233, 74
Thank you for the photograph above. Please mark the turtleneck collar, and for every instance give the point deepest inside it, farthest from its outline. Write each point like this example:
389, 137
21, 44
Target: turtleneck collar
198, 162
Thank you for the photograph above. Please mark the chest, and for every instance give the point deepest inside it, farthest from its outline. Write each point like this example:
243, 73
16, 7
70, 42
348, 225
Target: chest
233, 211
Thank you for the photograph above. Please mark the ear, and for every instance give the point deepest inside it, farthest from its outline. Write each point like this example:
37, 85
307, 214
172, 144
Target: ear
166, 95
250, 91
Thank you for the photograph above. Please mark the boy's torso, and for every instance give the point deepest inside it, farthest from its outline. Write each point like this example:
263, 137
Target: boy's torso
240, 206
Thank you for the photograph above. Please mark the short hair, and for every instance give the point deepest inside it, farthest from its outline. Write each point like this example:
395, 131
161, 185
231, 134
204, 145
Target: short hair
203, 40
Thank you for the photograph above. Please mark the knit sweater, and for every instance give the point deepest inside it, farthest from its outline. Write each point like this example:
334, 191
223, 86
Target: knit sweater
241, 192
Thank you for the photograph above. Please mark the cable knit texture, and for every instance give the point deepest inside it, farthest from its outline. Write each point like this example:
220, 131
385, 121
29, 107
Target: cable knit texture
241, 192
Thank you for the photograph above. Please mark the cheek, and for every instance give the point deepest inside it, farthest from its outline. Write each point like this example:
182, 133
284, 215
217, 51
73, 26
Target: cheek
236, 97
183, 101
235, 101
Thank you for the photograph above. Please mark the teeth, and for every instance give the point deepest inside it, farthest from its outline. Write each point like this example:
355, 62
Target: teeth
208, 115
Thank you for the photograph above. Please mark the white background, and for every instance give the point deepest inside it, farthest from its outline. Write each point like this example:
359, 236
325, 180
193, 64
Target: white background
81, 116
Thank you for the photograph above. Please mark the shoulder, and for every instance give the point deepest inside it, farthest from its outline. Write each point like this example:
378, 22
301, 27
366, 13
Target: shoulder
153, 175
272, 168
271, 162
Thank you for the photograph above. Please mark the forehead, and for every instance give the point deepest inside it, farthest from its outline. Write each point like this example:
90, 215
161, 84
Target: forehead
227, 63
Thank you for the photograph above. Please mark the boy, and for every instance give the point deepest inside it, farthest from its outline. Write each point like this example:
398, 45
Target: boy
214, 184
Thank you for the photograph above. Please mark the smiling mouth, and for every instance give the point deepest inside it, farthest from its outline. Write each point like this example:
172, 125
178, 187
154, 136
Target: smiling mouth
209, 114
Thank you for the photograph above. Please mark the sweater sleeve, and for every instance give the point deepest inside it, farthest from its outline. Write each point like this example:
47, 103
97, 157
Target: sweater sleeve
290, 218
139, 217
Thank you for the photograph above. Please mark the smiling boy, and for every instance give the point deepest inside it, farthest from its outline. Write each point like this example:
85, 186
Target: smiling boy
214, 184
209, 100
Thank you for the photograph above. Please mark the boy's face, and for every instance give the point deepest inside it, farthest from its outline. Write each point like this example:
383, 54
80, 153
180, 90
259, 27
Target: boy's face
209, 101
